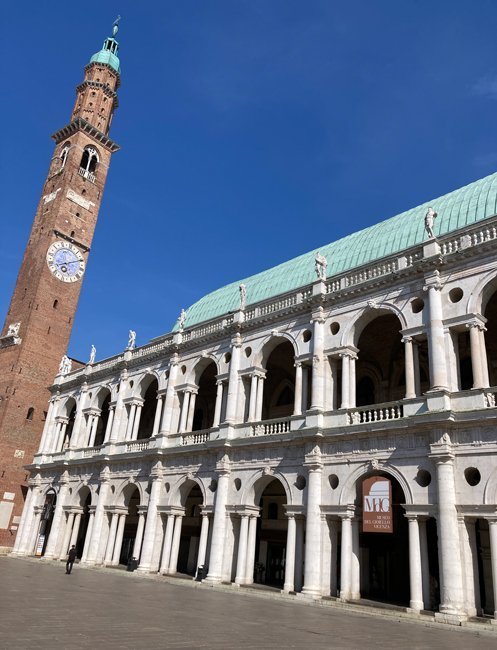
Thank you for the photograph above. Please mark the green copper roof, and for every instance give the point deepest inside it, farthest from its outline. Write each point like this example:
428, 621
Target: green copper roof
457, 209
108, 54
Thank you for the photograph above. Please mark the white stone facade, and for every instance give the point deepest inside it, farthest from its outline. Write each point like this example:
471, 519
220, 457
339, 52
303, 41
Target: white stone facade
241, 444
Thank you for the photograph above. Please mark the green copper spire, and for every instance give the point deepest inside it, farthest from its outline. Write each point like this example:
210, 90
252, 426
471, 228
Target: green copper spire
108, 53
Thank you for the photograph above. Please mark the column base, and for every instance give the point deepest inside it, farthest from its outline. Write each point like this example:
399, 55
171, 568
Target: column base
450, 617
143, 569
212, 580
309, 592
416, 606
288, 588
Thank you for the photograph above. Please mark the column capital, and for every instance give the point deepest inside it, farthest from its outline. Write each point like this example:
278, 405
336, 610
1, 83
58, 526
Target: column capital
318, 315
223, 466
236, 341
433, 282
406, 339
313, 460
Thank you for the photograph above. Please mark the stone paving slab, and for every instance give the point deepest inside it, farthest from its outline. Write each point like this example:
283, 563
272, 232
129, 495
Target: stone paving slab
42, 608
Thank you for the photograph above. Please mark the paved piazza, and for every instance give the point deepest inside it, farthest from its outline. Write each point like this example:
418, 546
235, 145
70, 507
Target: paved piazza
41, 607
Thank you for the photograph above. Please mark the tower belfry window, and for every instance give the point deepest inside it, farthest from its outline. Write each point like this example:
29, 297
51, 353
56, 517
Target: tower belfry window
88, 163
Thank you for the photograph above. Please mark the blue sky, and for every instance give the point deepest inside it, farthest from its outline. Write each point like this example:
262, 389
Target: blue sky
251, 131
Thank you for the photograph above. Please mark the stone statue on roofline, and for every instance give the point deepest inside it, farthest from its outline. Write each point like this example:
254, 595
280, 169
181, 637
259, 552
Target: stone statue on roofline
430, 217
13, 329
181, 319
93, 354
320, 266
65, 365
243, 296
131, 340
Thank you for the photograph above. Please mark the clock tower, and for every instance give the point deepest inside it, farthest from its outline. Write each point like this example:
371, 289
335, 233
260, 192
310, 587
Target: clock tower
39, 320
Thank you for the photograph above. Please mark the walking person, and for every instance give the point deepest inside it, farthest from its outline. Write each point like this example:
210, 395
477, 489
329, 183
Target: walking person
71, 556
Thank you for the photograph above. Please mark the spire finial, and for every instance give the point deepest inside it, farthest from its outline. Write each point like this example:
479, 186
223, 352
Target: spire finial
115, 25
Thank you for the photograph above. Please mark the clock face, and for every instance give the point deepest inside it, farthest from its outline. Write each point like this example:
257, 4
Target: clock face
65, 261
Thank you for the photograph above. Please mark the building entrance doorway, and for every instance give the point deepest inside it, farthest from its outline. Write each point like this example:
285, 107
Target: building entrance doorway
190, 532
384, 556
270, 549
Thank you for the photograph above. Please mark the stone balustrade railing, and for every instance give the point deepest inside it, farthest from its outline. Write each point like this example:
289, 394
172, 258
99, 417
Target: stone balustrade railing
376, 413
272, 427
196, 437
92, 451
137, 445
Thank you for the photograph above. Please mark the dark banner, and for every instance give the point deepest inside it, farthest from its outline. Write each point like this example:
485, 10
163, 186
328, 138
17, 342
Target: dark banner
377, 505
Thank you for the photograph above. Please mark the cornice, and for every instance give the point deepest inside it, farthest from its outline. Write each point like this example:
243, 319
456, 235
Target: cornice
79, 124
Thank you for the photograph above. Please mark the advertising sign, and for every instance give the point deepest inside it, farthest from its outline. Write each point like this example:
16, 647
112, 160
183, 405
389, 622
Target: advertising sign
39, 545
377, 505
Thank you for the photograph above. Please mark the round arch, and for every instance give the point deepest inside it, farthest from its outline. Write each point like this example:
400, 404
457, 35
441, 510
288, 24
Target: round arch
355, 327
100, 396
270, 343
182, 488
144, 383
125, 491
195, 373
258, 482
348, 493
482, 292
67, 407
490, 489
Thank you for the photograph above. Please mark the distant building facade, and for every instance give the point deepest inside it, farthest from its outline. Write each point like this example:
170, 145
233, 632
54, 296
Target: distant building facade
39, 320
327, 426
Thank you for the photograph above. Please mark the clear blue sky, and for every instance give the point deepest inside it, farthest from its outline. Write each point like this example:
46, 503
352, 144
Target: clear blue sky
251, 131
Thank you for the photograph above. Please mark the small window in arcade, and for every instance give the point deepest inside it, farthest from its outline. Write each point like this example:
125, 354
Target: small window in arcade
272, 511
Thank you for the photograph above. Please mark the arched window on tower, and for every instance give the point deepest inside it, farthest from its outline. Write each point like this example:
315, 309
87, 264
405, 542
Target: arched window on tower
63, 156
88, 163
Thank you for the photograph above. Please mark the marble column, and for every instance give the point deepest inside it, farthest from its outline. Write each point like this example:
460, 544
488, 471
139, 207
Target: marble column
317, 397
151, 523
297, 408
312, 578
345, 380
173, 562
111, 539
24, 524
166, 545
119, 410
352, 381
299, 553
191, 411
48, 426
436, 336
470, 563
204, 536
219, 524
75, 530
291, 536
260, 398
167, 415
425, 566
98, 520
110, 420
67, 535
51, 548
93, 431
252, 534
233, 380
184, 411
476, 356
158, 414
219, 403
346, 557
409, 368
483, 354
35, 530
492, 529
119, 539
305, 387
88, 536
76, 436
137, 546
136, 422
355, 573
417, 374
131, 421
241, 563
451, 586
415, 573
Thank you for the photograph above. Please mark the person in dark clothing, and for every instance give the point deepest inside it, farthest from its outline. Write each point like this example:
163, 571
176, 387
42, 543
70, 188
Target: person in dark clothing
71, 556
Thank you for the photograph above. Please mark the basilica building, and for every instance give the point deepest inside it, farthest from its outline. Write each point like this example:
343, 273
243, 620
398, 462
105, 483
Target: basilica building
326, 427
